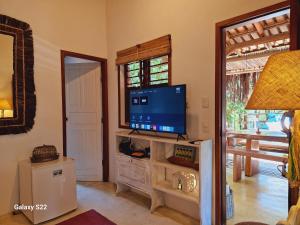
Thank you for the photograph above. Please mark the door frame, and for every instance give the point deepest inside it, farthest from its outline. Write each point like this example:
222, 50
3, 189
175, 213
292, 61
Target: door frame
220, 119
105, 129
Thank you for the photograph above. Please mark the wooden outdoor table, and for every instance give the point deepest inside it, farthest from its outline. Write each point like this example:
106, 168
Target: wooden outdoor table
250, 137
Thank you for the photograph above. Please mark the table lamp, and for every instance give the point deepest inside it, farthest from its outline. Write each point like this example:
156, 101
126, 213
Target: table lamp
4, 105
278, 88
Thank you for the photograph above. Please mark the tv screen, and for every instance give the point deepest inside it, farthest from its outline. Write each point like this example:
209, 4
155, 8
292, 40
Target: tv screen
161, 109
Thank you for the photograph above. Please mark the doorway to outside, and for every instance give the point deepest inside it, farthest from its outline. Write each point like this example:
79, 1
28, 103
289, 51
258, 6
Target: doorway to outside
85, 114
254, 181
224, 51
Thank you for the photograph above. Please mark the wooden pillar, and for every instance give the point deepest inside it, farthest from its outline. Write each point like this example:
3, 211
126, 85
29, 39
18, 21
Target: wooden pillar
237, 167
251, 165
248, 167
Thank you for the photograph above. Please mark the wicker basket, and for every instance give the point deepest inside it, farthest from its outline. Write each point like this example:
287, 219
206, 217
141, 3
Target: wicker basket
44, 153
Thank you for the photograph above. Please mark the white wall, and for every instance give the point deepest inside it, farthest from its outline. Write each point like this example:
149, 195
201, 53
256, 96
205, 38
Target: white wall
74, 25
191, 24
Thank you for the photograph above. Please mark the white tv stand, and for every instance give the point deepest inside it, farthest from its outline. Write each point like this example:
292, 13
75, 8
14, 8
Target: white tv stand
153, 176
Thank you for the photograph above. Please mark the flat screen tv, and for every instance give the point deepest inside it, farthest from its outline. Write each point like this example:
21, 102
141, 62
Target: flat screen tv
159, 109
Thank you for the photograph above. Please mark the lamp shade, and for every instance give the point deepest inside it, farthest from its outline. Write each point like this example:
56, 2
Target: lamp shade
5, 105
278, 86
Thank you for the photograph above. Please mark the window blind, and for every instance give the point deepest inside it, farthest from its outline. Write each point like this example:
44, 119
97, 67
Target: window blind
150, 49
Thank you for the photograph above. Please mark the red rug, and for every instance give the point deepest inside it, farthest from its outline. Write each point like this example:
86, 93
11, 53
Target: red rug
90, 217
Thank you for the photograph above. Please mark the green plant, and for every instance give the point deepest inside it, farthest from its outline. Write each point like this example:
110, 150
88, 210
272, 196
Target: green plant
235, 115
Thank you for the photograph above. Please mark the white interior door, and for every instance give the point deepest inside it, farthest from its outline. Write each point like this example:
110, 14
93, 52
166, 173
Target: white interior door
84, 126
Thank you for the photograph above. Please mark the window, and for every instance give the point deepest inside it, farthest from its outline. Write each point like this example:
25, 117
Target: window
148, 72
143, 65
145, 73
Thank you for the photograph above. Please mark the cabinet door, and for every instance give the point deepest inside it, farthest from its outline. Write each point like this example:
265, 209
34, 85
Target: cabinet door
124, 169
140, 174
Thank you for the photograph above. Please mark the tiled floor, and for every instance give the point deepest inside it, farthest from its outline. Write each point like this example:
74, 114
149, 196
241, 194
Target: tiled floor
126, 209
259, 198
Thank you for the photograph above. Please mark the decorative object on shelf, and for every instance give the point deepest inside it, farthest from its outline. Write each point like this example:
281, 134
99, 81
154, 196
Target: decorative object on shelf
138, 154
17, 82
143, 153
128, 148
184, 156
184, 181
125, 147
185, 152
44, 153
278, 88
183, 162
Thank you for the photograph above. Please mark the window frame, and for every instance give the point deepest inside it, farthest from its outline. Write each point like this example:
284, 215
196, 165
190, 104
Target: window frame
144, 83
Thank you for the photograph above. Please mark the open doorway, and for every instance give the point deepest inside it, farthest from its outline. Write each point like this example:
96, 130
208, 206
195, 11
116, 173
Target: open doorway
85, 114
256, 147
221, 134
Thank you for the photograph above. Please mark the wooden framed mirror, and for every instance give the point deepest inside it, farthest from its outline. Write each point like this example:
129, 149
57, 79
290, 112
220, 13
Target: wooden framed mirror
17, 91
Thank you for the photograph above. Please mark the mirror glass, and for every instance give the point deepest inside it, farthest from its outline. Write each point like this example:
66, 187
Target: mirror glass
6, 75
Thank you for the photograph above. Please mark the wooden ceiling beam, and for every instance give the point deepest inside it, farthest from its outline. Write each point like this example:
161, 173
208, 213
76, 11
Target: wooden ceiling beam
276, 24
259, 28
229, 35
265, 24
262, 40
265, 27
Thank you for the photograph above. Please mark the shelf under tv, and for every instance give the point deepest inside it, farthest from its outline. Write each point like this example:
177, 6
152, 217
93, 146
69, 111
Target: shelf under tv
154, 176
